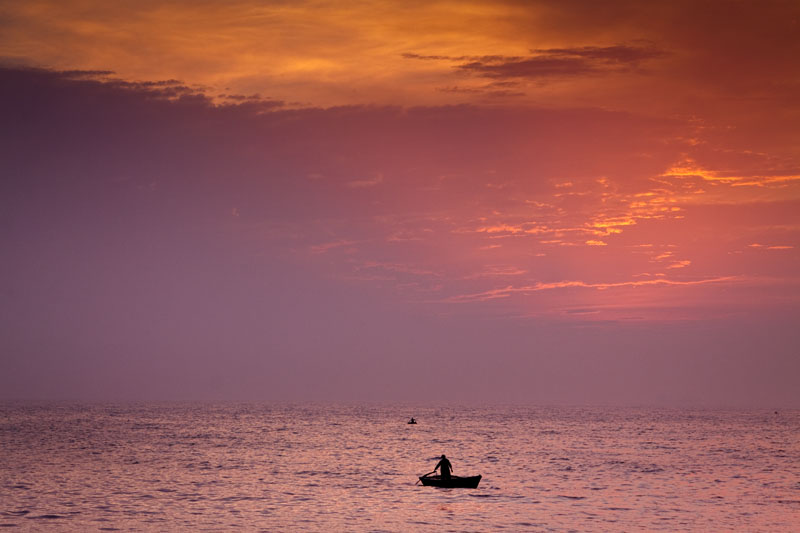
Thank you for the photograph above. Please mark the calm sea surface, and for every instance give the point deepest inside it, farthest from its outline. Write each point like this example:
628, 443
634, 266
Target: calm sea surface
321, 468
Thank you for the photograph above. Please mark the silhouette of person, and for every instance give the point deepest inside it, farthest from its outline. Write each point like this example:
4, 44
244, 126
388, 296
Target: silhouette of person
446, 467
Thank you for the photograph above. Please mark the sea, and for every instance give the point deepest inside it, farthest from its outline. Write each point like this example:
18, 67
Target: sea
252, 467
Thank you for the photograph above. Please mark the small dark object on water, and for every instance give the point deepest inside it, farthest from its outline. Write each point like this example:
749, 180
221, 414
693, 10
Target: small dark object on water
455, 482
412, 421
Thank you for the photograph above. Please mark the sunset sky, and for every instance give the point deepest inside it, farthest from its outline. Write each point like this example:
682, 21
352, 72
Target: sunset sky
554, 202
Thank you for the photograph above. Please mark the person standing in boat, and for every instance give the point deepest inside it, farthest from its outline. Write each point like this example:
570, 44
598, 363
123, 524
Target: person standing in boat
446, 467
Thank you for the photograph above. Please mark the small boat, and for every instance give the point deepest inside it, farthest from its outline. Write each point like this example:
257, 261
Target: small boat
455, 482
412, 421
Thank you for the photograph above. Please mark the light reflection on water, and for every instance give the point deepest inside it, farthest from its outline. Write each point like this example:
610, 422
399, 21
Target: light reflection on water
314, 468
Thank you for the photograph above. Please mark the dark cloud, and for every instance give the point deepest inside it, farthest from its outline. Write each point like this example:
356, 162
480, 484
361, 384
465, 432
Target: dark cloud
91, 74
409, 55
495, 90
551, 62
423, 57
606, 54
536, 67
556, 62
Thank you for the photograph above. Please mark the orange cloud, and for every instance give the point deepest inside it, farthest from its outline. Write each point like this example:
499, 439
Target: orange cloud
391, 52
774, 247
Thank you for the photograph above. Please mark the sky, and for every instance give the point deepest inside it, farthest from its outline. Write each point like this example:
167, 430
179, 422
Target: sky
478, 202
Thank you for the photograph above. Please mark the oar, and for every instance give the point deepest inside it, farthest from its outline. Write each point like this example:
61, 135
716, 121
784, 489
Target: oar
424, 475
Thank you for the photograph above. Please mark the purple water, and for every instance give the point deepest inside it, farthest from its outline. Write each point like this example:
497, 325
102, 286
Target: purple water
321, 468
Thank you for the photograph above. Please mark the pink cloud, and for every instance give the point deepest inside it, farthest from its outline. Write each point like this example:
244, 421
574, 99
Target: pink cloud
510, 289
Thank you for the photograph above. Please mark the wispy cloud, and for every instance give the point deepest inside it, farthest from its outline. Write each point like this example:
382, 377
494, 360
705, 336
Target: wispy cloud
332, 245
679, 264
497, 271
364, 183
690, 169
770, 247
510, 290
550, 62
562, 62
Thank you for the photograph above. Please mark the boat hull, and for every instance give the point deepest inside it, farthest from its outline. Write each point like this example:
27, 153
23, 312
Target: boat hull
455, 482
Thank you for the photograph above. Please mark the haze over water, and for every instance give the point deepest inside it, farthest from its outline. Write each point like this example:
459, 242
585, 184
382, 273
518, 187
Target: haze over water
157, 467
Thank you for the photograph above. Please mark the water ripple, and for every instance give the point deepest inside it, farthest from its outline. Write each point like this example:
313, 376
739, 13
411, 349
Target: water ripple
291, 468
